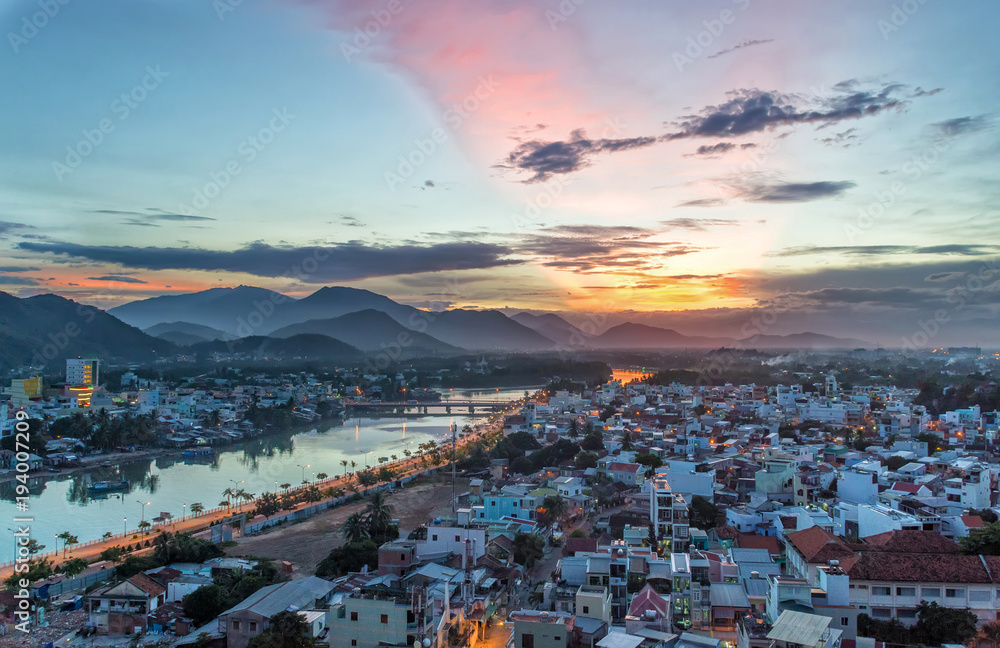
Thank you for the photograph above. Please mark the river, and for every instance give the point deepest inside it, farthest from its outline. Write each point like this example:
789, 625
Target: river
62, 503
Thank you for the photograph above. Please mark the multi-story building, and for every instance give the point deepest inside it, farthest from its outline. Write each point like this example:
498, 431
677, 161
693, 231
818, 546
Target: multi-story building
24, 391
669, 514
83, 372
381, 617
536, 629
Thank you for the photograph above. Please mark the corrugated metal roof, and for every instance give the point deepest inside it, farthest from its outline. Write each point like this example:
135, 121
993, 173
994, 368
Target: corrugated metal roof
799, 628
731, 595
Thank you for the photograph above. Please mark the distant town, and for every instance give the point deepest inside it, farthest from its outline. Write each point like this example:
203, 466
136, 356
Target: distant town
652, 508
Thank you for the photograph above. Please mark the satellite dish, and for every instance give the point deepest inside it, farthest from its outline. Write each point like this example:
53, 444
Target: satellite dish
416, 643
427, 642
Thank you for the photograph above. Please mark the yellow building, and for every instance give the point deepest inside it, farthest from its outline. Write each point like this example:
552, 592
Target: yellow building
23, 391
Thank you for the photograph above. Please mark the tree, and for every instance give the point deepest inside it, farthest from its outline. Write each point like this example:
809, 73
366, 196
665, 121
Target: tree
37, 570
554, 508
197, 508
651, 461
528, 548
344, 463
593, 441
286, 630
321, 476
984, 541
378, 515
703, 513
937, 625
267, 505
74, 567
113, 554
350, 557
355, 528
205, 603
584, 460
894, 463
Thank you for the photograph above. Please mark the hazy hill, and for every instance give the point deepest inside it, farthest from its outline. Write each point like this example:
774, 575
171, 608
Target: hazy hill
802, 341
370, 330
641, 336
270, 348
554, 328
47, 329
242, 311
186, 333
482, 330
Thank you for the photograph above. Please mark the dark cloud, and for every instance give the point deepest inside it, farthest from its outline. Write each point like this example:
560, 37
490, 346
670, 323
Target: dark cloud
697, 224
714, 150
963, 125
844, 140
741, 45
545, 159
7, 280
18, 269
898, 296
6, 227
152, 217
118, 278
754, 111
703, 202
340, 262
429, 183
601, 248
884, 250
351, 221
794, 191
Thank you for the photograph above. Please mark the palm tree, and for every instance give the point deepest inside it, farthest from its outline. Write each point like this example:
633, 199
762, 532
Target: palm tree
378, 513
229, 493
225, 504
197, 508
988, 635
285, 486
354, 467
321, 476
355, 528
247, 497
394, 458
68, 539
344, 463
143, 526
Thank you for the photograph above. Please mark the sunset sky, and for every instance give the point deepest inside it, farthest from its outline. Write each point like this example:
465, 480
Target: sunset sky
676, 163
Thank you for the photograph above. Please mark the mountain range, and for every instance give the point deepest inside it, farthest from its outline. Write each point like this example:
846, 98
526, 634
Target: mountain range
358, 321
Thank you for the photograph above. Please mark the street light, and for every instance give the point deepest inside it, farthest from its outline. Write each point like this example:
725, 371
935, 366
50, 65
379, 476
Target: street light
184, 512
144, 505
303, 471
124, 526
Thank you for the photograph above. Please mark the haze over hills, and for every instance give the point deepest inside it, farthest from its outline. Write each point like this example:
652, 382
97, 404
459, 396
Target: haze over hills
186, 333
262, 347
553, 327
369, 330
47, 329
218, 308
345, 330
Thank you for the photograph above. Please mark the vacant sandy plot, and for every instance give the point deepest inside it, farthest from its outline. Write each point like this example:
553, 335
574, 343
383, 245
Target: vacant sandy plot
307, 543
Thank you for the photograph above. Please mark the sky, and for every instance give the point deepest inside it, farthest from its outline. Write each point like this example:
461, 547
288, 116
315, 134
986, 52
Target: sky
715, 167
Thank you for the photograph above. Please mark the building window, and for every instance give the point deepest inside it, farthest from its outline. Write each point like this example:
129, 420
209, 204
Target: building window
385, 618
458, 539
979, 596
354, 616
354, 642
954, 593
253, 626
236, 625
843, 621
434, 538
930, 592
527, 641
906, 591
586, 609
881, 591
402, 557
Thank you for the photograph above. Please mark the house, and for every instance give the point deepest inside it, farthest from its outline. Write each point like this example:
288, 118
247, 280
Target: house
252, 616
648, 610
801, 630
537, 629
124, 608
630, 474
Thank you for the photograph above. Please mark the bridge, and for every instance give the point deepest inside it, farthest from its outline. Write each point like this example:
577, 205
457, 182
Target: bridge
471, 405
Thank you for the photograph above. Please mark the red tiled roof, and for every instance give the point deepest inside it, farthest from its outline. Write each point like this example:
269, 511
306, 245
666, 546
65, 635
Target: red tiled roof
925, 567
909, 541
147, 585
726, 532
973, 521
789, 522
754, 541
647, 599
618, 466
819, 546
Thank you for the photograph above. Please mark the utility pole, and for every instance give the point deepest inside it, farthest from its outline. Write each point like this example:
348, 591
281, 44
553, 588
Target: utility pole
454, 486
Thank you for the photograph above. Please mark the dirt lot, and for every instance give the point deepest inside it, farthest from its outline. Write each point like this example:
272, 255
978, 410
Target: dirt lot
306, 543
